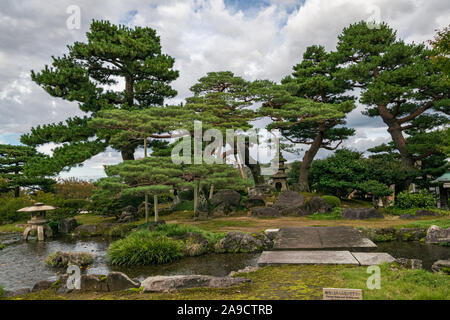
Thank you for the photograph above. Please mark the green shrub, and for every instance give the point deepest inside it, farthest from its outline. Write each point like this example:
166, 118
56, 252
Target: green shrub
336, 214
184, 205
2, 292
332, 201
423, 199
144, 248
9, 207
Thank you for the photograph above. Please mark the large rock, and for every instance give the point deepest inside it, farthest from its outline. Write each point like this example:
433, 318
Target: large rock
129, 214
171, 283
441, 265
87, 230
93, 282
263, 190
202, 206
63, 259
41, 285
254, 201
243, 242
411, 234
288, 202
315, 205
224, 209
409, 263
361, 213
118, 281
229, 197
437, 235
265, 212
426, 213
67, 225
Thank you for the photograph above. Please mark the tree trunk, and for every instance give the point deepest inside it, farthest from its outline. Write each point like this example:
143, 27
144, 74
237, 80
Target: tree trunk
129, 91
128, 152
16, 192
211, 191
395, 130
155, 201
146, 207
255, 168
195, 197
303, 183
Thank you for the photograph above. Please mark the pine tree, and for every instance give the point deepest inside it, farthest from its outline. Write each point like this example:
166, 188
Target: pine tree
221, 101
400, 84
13, 169
87, 75
310, 107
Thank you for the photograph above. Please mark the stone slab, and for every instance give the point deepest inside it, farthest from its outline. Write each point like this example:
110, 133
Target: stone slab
372, 258
306, 257
297, 238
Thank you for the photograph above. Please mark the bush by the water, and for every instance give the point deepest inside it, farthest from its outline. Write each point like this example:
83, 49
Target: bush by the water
423, 199
144, 248
180, 230
332, 201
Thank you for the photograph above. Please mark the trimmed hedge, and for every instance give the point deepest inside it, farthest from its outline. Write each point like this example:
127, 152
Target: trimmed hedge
332, 201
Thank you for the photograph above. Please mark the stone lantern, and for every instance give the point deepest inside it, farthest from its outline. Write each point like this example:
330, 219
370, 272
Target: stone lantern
279, 180
38, 221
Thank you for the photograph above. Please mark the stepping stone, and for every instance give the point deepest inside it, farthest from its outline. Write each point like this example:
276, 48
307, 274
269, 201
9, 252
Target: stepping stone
306, 257
294, 238
372, 258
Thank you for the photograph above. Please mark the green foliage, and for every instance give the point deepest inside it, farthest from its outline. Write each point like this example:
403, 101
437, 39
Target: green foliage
400, 284
186, 205
2, 292
332, 201
428, 223
144, 248
179, 230
336, 214
14, 173
339, 174
9, 207
422, 199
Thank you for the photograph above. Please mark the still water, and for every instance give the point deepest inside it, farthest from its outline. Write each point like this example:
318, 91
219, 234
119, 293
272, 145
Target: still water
22, 263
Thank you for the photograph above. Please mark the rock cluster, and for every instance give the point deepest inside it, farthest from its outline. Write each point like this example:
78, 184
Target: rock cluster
67, 225
243, 242
441, 265
288, 202
129, 214
437, 235
420, 213
225, 202
114, 281
315, 205
63, 259
361, 213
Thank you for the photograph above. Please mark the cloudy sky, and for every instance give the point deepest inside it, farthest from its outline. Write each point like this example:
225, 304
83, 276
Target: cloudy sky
254, 39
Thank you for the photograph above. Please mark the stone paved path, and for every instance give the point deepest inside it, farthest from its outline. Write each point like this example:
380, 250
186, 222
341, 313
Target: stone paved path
294, 238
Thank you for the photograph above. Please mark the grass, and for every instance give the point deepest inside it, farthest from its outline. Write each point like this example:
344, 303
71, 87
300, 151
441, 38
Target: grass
412, 211
144, 248
12, 227
293, 282
336, 214
442, 223
400, 284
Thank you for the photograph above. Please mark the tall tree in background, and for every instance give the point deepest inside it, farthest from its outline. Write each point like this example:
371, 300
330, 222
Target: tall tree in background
318, 94
13, 162
400, 84
441, 44
90, 73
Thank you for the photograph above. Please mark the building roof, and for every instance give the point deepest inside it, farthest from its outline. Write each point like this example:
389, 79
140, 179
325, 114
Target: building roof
444, 178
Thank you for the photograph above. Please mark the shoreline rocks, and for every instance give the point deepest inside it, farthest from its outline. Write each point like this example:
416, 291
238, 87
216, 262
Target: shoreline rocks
436, 235
441, 265
361, 213
173, 283
234, 242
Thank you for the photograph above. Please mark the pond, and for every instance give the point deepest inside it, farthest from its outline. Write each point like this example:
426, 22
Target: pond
21, 263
